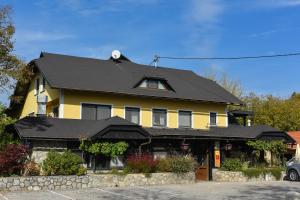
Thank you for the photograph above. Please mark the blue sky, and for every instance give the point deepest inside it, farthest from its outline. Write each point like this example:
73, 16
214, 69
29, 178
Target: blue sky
142, 28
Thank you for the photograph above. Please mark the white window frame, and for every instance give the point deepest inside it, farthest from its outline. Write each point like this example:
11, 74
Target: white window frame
217, 121
98, 104
124, 116
192, 117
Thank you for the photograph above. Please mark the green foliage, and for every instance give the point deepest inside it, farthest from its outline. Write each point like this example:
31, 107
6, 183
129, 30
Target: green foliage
81, 171
66, 163
276, 147
276, 112
181, 164
232, 164
107, 149
5, 138
176, 164
256, 172
164, 165
10, 66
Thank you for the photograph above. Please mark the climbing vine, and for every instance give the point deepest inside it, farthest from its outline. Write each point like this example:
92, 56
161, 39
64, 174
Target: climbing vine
276, 147
107, 149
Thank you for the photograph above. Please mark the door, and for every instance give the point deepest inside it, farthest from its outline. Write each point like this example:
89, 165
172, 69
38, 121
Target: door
202, 171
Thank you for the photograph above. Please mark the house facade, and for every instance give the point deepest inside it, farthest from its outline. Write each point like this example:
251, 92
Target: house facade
155, 109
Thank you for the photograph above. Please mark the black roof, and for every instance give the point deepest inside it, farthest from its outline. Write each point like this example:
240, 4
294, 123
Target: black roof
231, 132
56, 128
119, 128
121, 77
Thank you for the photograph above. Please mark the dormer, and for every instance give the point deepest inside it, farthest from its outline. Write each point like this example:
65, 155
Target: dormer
154, 84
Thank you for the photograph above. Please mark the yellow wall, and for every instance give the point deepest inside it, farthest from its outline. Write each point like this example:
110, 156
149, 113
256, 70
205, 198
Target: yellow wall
30, 105
200, 110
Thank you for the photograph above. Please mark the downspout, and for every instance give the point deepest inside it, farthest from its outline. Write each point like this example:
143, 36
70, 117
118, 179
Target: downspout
143, 144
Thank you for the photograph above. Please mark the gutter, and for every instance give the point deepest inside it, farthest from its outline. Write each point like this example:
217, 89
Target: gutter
143, 144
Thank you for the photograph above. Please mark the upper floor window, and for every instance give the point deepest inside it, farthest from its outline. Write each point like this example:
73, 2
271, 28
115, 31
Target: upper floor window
213, 119
95, 112
132, 114
43, 84
185, 119
159, 118
153, 84
36, 86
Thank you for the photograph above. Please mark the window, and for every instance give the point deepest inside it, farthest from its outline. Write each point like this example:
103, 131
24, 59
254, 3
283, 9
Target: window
132, 114
153, 84
36, 86
95, 112
55, 111
185, 119
43, 84
159, 117
213, 119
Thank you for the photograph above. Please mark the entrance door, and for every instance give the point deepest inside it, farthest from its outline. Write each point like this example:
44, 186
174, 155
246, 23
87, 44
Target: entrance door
202, 172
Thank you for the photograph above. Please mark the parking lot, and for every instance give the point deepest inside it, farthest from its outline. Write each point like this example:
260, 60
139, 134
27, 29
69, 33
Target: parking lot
202, 190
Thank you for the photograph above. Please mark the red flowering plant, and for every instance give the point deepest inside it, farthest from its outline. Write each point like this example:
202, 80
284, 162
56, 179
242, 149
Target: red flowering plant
144, 163
12, 159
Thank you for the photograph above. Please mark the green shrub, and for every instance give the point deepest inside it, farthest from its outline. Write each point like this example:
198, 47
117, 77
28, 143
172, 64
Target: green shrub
232, 164
164, 165
256, 172
276, 172
81, 171
181, 164
253, 172
66, 163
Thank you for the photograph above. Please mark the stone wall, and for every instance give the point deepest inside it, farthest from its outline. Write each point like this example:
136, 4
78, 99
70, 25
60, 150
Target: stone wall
110, 180
230, 176
94, 180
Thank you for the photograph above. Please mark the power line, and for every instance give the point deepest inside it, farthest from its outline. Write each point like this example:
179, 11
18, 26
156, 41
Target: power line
156, 57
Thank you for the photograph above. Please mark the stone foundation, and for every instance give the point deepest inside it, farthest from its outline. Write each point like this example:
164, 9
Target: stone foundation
94, 180
230, 176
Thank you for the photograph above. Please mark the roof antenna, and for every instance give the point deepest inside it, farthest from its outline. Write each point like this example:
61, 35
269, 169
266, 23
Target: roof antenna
156, 60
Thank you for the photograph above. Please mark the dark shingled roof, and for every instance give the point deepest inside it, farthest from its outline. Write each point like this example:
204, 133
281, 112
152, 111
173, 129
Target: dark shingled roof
231, 132
56, 128
121, 76
119, 128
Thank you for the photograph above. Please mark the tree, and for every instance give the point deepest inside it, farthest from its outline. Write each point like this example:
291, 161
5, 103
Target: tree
283, 114
231, 85
12, 69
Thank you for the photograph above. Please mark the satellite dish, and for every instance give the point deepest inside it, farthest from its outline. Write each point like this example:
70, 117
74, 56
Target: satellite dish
115, 54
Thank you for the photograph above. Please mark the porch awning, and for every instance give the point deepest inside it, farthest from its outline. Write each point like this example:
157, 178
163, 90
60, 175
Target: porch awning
75, 129
232, 132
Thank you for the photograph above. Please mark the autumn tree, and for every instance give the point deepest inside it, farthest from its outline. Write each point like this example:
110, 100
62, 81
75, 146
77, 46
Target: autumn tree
231, 85
280, 113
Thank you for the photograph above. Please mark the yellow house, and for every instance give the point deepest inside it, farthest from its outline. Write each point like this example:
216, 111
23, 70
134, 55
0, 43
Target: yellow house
155, 109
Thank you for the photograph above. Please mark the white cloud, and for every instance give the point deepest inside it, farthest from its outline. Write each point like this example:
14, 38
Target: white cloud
203, 24
88, 8
41, 36
270, 32
275, 3
206, 11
